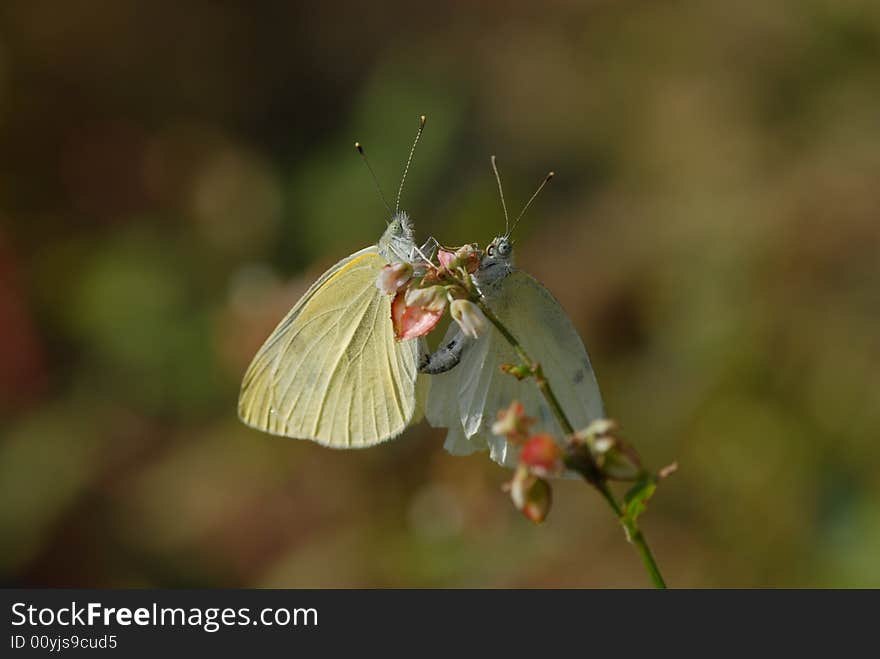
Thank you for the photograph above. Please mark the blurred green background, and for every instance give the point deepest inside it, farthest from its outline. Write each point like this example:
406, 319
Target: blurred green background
174, 175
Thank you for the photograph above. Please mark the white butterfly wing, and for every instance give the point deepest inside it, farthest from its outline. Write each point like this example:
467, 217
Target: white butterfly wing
538, 321
332, 370
443, 410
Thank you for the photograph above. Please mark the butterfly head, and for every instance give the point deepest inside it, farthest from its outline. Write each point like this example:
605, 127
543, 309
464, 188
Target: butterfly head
500, 248
497, 261
397, 241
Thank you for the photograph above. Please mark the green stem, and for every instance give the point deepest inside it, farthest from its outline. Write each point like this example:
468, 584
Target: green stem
638, 539
587, 464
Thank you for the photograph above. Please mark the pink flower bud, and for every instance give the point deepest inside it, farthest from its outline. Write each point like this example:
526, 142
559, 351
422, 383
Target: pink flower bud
621, 462
539, 498
469, 318
393, 277
542, 455
432, 298
531, 495
469, 257
445, 257
616, 458
466, 256
513, 423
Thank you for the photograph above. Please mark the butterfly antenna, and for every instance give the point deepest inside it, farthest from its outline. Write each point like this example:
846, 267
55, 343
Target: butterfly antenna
546, 180
501, 194
422, 120
360, 150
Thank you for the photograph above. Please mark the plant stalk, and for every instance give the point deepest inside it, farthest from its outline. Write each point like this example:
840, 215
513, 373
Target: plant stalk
588, 467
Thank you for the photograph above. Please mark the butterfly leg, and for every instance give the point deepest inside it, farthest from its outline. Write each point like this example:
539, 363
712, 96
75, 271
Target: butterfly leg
427, 250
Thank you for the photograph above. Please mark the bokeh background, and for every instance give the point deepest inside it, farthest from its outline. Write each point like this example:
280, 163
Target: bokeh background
174, 175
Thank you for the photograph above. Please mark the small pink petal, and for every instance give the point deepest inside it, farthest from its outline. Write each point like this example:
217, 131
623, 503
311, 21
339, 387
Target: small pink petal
393, 277
411, 322
398, 309
541, 454
445, 257
418, 322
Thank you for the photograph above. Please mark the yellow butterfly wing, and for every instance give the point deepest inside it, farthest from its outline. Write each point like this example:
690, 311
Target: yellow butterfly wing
332, 371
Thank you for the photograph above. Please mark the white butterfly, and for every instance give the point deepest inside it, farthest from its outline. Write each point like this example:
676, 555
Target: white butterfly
468, 386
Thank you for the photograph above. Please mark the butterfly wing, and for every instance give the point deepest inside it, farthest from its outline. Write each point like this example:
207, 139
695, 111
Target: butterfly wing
468, 397
443, 410
332, 370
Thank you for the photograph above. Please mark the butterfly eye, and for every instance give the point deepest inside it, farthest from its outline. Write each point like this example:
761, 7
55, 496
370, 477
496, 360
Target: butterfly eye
490, 250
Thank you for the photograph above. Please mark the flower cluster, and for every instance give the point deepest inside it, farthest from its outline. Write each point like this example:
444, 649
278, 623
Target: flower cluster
420, 300
539, 457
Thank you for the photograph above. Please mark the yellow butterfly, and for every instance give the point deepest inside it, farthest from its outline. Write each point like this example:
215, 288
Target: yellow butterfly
332, 371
